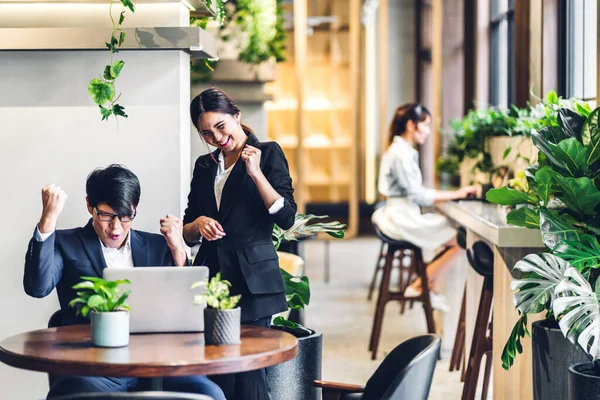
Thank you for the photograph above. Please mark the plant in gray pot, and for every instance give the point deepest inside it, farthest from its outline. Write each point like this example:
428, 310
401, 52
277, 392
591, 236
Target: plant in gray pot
294, 379
222, 317
109, 312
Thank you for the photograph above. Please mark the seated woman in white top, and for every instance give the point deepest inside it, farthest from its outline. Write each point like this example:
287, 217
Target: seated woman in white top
400, 180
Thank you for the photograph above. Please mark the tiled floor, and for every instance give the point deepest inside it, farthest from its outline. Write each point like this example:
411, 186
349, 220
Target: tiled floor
341, 311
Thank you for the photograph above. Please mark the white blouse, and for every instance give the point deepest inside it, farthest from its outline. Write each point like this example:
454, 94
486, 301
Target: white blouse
400, 174
221, 178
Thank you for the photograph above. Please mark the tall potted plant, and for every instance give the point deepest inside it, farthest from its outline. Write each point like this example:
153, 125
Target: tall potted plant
293, 380
559, 196
109, 312
222, 317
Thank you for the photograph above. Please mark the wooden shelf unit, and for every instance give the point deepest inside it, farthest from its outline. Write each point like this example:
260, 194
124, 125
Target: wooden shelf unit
315, 114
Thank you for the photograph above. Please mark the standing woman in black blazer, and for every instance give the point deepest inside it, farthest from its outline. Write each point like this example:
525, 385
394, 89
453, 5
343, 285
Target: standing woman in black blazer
237, 193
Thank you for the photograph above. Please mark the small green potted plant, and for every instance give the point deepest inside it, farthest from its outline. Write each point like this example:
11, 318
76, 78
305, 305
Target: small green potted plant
109, 312
222, 317
448, 167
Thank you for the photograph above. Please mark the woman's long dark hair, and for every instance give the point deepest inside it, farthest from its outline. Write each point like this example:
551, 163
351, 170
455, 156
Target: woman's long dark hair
414, 112
213, 100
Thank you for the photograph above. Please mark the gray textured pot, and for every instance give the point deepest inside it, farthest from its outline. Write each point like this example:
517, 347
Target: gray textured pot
552, 356
222, 326
110, 329
293, 379
584, 382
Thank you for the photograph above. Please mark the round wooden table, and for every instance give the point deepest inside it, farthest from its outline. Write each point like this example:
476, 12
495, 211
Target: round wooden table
68, 350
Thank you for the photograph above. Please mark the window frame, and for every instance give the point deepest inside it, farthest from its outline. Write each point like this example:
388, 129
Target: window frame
497, 18
567, 52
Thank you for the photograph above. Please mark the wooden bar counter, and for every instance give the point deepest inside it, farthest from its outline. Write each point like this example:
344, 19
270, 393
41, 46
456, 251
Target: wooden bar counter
487, 222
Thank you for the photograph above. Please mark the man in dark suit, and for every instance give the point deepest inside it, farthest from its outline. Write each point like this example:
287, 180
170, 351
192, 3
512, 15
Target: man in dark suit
58, 259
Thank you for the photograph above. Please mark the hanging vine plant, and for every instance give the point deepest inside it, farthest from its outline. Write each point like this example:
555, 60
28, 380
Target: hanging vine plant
102, 89
254, 26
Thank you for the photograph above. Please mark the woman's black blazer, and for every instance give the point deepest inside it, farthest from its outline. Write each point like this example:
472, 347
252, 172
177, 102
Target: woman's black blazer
246, 255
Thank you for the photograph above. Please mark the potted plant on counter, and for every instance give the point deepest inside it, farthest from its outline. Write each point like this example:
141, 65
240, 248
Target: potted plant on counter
560, 197
109, 312
300, 372
448, 167
222, 317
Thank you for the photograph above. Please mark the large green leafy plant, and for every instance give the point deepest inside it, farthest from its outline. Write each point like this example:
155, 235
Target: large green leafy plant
470, 135
559, 196
102, 89
297, 288
99, 295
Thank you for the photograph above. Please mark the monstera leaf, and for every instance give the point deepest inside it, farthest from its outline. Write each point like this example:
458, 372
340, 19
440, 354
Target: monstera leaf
302, 227
297, 290
535, 277
577, 307
583, 254
539, 275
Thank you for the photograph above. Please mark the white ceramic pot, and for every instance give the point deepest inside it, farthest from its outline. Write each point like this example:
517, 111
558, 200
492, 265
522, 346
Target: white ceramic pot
110, 329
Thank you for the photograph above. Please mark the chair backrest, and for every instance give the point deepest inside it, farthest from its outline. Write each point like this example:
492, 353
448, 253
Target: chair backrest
55, 319
406, 372
291, 263
135, 396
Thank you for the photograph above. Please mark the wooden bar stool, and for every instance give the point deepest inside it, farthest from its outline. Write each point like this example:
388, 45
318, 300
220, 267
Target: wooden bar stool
406, 271
481, 258
457, 360
386, 294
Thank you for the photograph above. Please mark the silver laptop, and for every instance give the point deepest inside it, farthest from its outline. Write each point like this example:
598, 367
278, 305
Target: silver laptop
161, 299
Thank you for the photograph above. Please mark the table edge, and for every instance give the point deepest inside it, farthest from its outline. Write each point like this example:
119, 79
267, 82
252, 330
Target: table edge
242, 364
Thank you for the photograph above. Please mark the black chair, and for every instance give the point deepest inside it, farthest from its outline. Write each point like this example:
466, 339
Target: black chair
135, 396
56, 319
405, 373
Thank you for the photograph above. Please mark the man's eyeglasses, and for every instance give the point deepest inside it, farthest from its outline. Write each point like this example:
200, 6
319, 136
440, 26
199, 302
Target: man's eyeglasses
108, 217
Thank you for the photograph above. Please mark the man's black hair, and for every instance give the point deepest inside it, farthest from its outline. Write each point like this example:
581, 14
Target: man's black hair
116, 186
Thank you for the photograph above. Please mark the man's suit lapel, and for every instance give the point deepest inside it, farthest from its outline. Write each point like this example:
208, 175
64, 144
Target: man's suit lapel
139, 250
233, 184
92, 247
